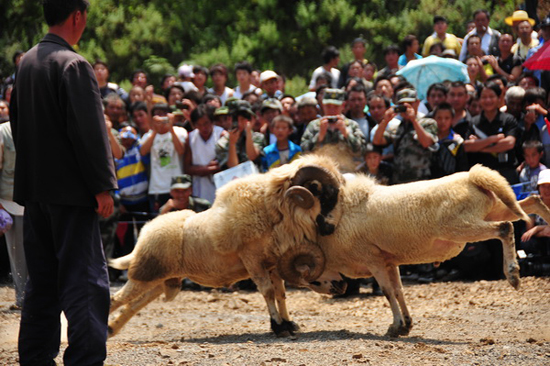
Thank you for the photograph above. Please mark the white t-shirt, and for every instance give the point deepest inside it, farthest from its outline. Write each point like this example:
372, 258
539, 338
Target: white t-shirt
318, 71
203, 153
165, 161
226, 94
238, 94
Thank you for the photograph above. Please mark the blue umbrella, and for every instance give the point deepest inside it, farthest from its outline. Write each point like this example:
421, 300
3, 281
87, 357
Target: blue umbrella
433, 69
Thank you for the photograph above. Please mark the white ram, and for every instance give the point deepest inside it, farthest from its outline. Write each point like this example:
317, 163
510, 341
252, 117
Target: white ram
253, 221
383, 227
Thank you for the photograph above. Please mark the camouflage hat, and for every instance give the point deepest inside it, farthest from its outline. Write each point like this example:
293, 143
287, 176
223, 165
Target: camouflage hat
406, 95
271, 103
307, 102
334, 96
181, 181
222, 111
239, 106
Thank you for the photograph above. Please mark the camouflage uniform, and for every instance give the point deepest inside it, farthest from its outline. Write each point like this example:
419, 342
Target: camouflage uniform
411, 161
355, 140
222, 148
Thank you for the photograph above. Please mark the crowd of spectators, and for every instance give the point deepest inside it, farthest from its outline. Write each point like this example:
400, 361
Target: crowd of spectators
170, 137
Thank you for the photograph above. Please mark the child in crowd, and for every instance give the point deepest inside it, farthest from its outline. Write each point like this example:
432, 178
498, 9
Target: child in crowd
450, 157
374, 166
532, 152
131, 173
536, 241
283, 150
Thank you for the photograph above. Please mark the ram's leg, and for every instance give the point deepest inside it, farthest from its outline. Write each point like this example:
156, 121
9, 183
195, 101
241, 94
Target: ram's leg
510, 262
131, 309
260, 275
483, 230
534, 205
130, 291
172, 288
386, 277
280, 297
398, 289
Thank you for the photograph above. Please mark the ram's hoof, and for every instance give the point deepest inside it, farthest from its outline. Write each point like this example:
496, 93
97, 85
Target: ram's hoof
285, 329
401, 330
513, 276
110, 332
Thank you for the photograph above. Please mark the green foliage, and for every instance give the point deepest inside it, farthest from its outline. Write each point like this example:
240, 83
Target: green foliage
286, 36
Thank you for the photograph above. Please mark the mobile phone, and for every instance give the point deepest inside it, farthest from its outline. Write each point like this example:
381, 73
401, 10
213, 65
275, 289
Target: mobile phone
332, 119
164, 119
400, 108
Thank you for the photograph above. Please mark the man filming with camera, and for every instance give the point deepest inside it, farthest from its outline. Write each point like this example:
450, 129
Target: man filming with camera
241, 143
414, 138
333, 127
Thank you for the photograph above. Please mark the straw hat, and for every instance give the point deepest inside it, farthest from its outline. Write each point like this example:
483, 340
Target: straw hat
519, 16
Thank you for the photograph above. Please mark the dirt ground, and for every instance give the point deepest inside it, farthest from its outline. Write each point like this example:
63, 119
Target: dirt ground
458, 323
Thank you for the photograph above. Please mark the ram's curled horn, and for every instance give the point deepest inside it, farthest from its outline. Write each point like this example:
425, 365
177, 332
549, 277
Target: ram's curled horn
310, 173
301, 196
304, 262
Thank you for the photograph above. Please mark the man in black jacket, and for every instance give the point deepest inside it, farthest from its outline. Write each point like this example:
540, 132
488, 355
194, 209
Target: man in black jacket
64, 168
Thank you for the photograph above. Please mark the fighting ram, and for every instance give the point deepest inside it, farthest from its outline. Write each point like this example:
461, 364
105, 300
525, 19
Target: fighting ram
383, 227
253, 221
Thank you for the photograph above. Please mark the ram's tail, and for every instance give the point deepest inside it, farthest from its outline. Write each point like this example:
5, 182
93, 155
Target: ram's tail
121, 263
491, 180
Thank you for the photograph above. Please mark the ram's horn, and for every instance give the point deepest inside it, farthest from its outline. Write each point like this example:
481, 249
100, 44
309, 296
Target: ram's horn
301, 196
305, 262
310, 173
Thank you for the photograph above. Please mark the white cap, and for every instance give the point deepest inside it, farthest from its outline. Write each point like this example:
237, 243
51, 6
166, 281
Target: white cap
544, 177
186, 71
268, 74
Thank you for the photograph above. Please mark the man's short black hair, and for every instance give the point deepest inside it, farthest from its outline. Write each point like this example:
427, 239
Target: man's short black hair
199, 112
534, 94
324, 75
498, 77
221, 68
330, 53
472, 37
16, 55
173, 86
243, 65
359, 40
444, 107
100, 62
439, 18
357, 88
166, 76
199, 68
490, 85
458, 84
138, 106
438, 86
57, 11
533, 144
391, 49
528, 74
408, 41
481, 11
372, 95
193, 96
138, 71
209, 97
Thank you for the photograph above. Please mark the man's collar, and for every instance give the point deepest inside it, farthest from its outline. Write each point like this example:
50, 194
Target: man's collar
54, 38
